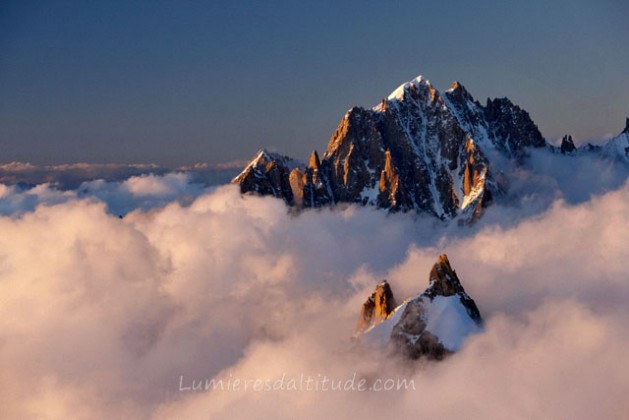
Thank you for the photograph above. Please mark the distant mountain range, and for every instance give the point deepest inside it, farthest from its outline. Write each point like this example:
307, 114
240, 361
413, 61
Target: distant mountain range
71, 176
418, 150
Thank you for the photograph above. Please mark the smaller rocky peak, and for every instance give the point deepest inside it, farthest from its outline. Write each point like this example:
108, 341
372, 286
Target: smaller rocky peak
351, 119
626, 130
567, 145
356, 116
458, 93
377, 308
358, 126
314, 162
455, 86
264, 157
443, 280
437, 322
267, 174
499, 105
513, 125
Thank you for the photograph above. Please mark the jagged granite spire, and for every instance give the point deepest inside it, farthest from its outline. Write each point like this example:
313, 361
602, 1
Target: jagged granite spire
567, 145
429, 325
378, 307
435, 323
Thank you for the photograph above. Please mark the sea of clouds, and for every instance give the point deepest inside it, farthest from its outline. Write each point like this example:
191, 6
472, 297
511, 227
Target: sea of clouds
103, 316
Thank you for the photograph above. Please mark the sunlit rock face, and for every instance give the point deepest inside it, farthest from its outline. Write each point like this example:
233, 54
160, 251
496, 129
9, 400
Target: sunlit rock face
418, 150
378, 307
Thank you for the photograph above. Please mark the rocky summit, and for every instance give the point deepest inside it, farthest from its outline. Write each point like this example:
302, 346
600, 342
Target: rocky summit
430, 325
417, 150
267, 174
436, 323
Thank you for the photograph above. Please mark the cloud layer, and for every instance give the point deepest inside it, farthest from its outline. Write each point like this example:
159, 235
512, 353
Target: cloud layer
103, 317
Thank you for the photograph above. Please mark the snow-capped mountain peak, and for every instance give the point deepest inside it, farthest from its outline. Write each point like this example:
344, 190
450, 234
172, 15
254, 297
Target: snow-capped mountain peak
431, 324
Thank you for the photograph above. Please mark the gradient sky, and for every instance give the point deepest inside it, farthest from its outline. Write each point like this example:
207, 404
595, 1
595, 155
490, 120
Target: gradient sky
178, 82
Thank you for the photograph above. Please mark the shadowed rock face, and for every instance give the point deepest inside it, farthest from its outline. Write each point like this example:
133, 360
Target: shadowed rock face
418, 150
422, 330
377, 307
512, 127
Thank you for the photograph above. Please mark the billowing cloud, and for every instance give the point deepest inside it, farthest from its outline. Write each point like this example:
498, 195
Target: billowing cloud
103, 317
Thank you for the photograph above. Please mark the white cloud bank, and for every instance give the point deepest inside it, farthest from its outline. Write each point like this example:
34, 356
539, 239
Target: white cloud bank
102, 317
138, 192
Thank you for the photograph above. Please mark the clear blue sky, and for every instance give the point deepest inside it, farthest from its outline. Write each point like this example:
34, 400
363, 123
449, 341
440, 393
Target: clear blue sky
176, 82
